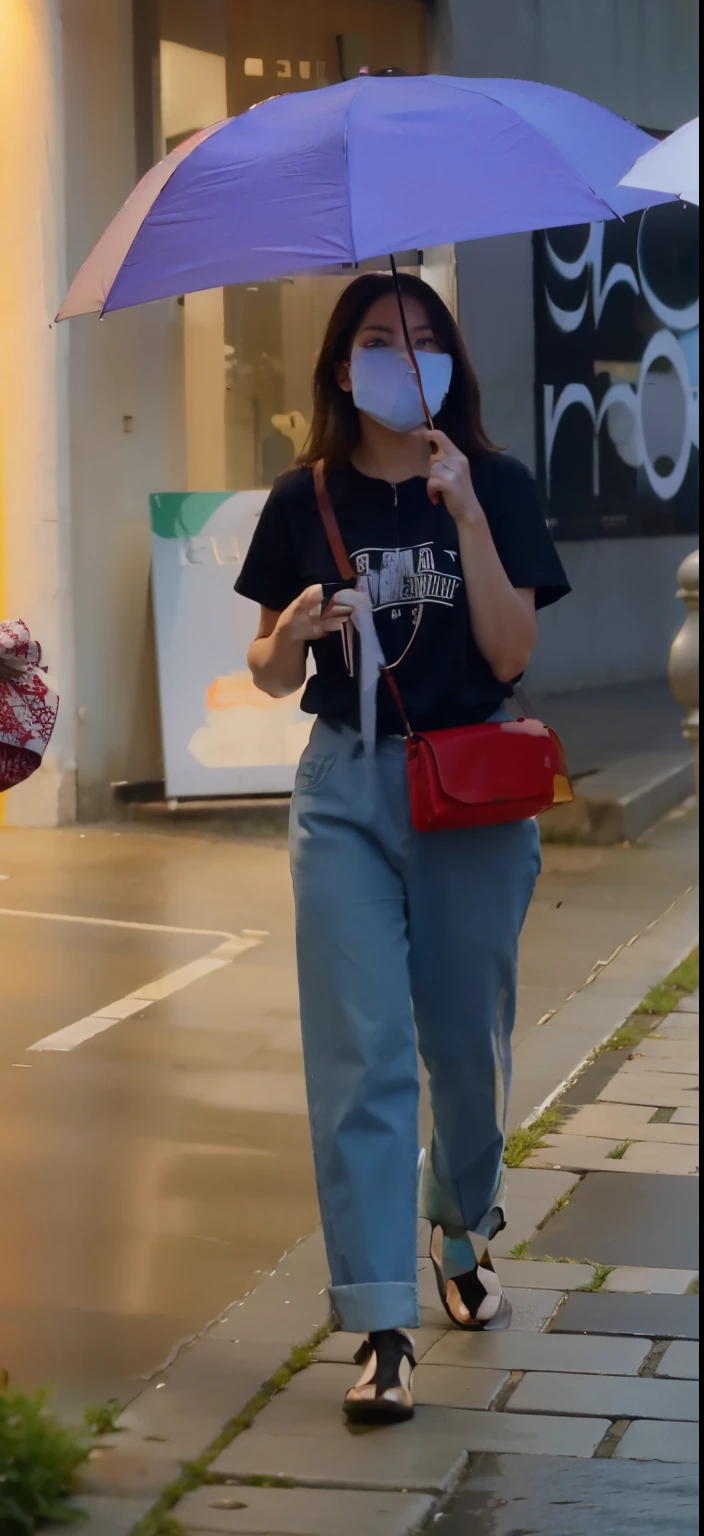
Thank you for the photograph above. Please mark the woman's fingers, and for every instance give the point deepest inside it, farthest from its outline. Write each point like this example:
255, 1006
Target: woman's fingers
441, 439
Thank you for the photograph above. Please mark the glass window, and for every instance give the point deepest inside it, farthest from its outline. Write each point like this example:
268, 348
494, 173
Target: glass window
249, 351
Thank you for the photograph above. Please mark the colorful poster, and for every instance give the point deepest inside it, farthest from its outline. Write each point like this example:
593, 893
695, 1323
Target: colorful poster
221, 736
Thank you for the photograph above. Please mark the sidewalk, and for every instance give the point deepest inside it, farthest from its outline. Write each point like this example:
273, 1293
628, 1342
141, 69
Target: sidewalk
565, 1407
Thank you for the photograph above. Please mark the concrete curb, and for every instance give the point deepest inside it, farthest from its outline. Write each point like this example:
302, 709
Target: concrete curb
623, 802
560, 1048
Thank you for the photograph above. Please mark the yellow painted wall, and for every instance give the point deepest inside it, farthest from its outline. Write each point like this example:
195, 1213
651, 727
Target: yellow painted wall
34, 481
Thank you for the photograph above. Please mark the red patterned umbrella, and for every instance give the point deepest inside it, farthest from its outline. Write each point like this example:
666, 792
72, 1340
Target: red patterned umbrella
28, 708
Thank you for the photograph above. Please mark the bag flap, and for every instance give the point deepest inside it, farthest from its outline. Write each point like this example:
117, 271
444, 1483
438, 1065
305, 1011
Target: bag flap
513, 760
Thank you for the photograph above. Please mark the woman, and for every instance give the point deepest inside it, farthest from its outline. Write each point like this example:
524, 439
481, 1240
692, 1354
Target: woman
393, 927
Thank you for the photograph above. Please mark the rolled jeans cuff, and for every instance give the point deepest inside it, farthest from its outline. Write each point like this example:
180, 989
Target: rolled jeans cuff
368, 1308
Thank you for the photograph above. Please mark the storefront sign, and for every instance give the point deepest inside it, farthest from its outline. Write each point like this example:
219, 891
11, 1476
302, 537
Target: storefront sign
221, 736
617, 375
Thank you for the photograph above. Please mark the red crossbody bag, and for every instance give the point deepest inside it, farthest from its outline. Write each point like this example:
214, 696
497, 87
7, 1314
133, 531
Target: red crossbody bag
471, 775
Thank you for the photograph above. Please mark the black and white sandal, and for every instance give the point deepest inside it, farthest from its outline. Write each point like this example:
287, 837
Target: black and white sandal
383, 1394
473, 1301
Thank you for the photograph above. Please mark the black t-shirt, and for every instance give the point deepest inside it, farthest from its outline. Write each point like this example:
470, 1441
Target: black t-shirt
406, 553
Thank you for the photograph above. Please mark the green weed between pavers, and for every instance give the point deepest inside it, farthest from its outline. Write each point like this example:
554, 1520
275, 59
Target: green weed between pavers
529, 1139
620, 1151
101, 1419
39, 1463
601, 1275
665, 997
159, 1521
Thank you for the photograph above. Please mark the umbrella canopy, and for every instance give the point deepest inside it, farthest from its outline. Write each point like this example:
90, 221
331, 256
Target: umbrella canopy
357, 170
672, 166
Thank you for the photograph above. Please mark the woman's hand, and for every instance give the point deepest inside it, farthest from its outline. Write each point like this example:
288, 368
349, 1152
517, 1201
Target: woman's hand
450, 478
304, 621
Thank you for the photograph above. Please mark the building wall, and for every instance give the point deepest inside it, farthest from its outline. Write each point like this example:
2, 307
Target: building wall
35, 576
126, 422
639, 58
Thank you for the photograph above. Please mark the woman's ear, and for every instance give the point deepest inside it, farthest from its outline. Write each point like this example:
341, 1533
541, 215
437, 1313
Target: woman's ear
343, 374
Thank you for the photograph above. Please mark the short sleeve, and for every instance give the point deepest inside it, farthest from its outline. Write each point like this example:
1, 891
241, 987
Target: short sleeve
521, 533
269, 575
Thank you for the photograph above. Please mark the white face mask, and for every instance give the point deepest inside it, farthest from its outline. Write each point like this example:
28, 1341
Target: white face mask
385, 387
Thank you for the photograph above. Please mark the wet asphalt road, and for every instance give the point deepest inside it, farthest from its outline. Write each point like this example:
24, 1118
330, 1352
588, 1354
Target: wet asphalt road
150, 1175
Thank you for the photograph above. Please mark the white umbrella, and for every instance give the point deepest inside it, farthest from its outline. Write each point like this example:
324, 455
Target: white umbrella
672, 166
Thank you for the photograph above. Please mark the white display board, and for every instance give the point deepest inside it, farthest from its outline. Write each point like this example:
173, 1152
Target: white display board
221, 735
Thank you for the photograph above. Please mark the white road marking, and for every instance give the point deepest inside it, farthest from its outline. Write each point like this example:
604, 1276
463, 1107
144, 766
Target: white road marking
110, 922
179, 979
144, 997
4, 877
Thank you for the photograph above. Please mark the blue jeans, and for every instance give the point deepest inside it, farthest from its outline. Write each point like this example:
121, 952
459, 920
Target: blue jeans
394, 927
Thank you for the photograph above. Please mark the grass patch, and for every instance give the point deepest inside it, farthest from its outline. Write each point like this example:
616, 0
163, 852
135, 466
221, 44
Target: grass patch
529, 1139
628, 1037
662, 1116
159, 1521
521, 1250
693, 1289
39, 1463
601, 1275
102, 1418
667, 994
620, 1151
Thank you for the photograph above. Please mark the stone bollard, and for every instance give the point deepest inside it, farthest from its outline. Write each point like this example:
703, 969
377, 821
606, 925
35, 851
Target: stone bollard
684, 656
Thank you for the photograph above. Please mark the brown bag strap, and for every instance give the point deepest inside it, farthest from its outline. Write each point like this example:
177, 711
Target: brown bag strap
330, 524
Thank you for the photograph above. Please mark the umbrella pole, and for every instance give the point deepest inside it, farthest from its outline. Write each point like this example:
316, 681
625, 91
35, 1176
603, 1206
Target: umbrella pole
409, 344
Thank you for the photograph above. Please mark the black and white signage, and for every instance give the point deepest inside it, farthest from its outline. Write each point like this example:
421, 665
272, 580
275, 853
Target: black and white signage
617, 375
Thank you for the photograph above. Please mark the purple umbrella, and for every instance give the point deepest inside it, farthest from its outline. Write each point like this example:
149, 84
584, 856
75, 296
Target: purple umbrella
354, 171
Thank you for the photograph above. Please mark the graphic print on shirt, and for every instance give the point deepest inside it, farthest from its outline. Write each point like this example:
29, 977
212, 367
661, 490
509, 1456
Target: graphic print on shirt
395, 578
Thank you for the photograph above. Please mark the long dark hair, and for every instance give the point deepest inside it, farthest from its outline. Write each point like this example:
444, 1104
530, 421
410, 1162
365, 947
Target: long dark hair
336, 430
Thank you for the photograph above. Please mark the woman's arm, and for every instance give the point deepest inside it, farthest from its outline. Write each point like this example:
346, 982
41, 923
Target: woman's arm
503, 618
277, 657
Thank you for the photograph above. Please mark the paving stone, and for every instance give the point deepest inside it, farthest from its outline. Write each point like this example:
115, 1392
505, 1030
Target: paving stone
627, 1218
613, 1397
662, 1282
680, 1361
425, 1454
660, 1157
540, 1352
507, 1495
657, 1047
679, 1027
129, 1470
445, 1386
622, 1121
536, 1276
341, 1348
670, 1089
664, 1317
102, 1517
532, 1195
288, 1306
656, 1441
582, 1153
684, 1064
589, 1084
685, 1117
302, 1512
689, 1004
531, 1310
183, 1410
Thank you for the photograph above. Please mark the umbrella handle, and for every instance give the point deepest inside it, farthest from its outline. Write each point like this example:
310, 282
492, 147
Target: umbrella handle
409, 344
